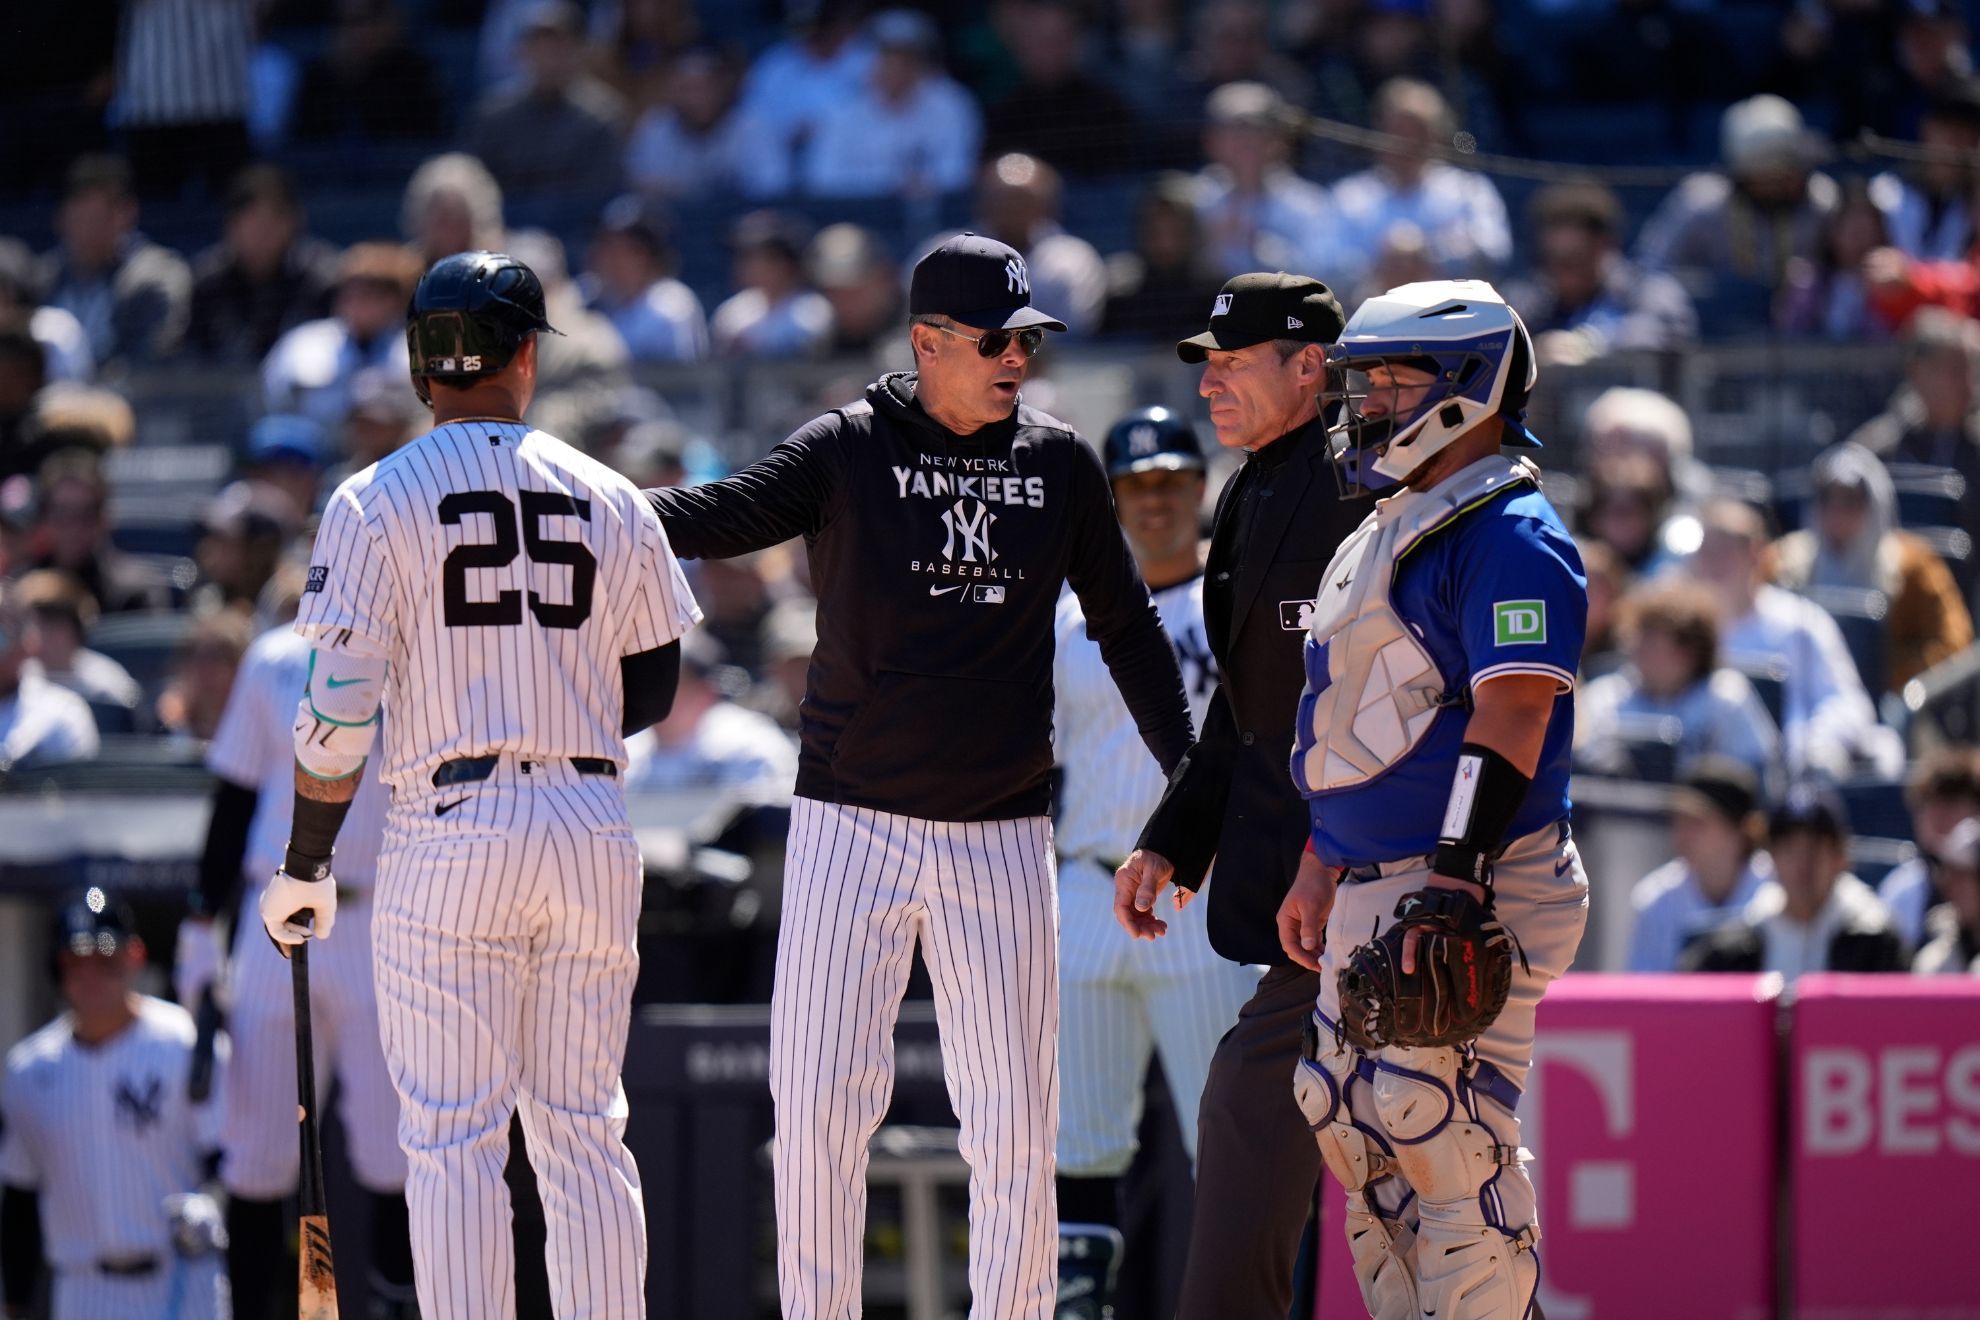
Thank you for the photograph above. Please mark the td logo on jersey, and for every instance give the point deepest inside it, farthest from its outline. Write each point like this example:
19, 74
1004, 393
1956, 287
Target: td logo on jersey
1519, 622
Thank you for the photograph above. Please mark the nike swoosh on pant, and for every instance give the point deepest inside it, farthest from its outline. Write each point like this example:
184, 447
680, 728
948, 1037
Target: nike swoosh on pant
446, 807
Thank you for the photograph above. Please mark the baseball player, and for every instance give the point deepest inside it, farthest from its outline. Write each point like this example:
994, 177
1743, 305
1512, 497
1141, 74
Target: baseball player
104, 1153
516, 607
1432, 743
941, 515
1121, 998
253, 757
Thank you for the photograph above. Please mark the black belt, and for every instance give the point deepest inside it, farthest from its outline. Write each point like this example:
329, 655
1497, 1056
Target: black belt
474, 769
131, 1267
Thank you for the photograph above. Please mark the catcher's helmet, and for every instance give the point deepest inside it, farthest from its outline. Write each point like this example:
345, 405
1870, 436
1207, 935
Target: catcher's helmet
93, 922
469, 315
1152, 438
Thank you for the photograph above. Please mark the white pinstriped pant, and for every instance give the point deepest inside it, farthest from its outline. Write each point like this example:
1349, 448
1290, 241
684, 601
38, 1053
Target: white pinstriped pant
860, 887
503, 940
1120, 999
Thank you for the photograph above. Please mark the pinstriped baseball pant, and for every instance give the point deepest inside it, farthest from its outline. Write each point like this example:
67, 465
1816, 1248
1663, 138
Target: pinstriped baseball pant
503, 944
860, 888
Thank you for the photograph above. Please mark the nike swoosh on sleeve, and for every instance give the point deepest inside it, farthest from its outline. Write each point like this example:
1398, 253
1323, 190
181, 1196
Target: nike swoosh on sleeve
328, 681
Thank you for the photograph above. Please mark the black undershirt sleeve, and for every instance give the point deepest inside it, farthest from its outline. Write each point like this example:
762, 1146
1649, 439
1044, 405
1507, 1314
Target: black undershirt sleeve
226, 848
20, 1245
649, 679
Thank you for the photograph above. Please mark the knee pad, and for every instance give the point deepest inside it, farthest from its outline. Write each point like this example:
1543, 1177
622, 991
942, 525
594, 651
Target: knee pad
1457, 1143
1323, 1078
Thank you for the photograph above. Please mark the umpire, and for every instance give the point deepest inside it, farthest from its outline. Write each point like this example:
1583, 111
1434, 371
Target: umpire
1278, 523
941, 515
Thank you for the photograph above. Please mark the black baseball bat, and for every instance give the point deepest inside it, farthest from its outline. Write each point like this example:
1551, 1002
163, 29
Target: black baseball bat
316, 1271
207, 1021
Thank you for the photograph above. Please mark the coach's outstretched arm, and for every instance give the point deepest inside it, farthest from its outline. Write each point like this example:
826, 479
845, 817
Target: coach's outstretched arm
791, 491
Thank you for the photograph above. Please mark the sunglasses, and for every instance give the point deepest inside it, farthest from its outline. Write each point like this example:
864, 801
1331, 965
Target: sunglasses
992, 343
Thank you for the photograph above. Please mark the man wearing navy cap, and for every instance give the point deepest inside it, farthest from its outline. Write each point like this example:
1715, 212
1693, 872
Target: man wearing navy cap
942, 515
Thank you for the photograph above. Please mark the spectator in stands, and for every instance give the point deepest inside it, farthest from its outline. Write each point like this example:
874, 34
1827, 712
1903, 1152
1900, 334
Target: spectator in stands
1624, 421
708, 740
40, 722
72, 417
1827, 295
1673, 686
370, 84
860, 279
1926, 204
384, 414
1019, 200
1626, 503
1232, 41
1942, 790
650, 454
1058, 111
74, 535
1934, 418
1169, 278
309, 369
1459, 212
202, 674
823, 63
452, 204
1721, 866
23, 373
1952, 929
580, 369
772, 314
630, 282
244, 533
789, 635
1829, 725
1725, 230
1256, 213
1855, 544
64, 345
692, 141
288, 452
1818, 917
1608, 579
561, 133
130, 294
265, 276
182, 92
640, 41
19, 518
1584, 298
910, 130
57, 614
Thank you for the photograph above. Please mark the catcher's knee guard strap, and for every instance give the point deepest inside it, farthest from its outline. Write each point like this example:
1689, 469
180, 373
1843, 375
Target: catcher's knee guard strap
1354, 1152
1383, 1249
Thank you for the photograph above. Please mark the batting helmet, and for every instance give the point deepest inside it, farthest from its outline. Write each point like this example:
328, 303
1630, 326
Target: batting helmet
1152, 438
469, 315
94, 922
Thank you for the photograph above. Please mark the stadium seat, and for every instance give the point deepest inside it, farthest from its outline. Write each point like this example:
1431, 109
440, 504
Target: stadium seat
1770, 684
1861, 617
1871, 859
1928, 496
1876, 808
144, 644
125, 763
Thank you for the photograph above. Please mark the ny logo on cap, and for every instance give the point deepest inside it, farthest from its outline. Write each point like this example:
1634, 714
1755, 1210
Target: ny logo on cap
1143, 440
1223, 305
1015, 277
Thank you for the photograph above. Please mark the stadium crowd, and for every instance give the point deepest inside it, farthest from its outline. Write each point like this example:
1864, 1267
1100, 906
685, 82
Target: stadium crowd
1753, 644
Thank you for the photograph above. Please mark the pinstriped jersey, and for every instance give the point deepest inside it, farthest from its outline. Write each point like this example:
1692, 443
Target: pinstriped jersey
502, 574
105, 1133
1110, 782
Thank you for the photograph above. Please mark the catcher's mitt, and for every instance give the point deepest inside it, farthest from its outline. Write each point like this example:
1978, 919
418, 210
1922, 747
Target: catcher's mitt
1464, 959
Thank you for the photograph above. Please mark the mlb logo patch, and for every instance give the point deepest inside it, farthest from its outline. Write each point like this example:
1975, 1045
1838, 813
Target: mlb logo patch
319, 576
1295, 615
1222, 305
989, 596
1519, 622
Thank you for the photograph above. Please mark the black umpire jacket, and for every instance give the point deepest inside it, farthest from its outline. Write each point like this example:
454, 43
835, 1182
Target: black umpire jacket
1233, 799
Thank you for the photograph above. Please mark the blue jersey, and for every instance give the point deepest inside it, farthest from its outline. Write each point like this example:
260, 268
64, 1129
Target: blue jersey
1498, 590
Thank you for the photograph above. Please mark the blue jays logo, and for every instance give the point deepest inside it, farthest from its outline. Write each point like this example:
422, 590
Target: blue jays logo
141, 1103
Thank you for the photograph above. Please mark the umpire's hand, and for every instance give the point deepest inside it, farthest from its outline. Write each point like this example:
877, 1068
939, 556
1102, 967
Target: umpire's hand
1303, 913
1137, 884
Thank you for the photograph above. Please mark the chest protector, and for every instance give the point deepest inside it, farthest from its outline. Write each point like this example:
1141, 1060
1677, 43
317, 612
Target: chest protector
1372, 688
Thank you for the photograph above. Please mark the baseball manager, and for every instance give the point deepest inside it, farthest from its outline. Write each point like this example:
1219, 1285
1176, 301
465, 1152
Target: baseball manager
942, 515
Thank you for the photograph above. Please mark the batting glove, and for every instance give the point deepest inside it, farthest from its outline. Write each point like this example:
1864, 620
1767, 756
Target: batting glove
283, 901
196, 963
198, 1227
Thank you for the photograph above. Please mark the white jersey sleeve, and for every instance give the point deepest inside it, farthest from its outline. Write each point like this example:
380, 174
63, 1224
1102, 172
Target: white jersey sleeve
252, 732
663, 608
18, 1166
351, 591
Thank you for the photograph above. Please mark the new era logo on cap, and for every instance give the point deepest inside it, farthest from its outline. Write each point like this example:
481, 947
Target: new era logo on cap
1294, 323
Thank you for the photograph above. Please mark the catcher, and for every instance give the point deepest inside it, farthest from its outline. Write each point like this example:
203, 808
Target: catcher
1441, 892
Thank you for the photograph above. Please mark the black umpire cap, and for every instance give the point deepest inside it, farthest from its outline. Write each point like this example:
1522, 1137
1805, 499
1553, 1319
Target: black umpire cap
1263, 306
94, 923
1152, 438
978, 282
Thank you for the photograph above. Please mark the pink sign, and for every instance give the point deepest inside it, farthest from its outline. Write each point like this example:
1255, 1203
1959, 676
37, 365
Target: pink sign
1886, 1147
1650, 1114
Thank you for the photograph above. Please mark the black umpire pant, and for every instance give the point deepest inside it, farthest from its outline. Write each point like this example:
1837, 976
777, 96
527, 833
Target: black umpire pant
1257, 1163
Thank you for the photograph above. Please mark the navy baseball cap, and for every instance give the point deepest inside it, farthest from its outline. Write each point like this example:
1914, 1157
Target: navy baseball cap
1264, 306
1809, 807
1152, 438
94, 923
977, 282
